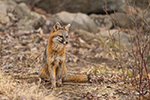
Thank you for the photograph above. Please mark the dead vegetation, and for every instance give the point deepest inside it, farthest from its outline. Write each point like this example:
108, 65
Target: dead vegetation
118, 71
10, 89
22, 55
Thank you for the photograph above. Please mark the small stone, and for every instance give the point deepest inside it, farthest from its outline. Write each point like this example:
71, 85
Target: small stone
7, 67
108, 86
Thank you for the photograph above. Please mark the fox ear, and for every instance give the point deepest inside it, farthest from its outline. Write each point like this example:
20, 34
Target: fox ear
67, 27
57, 26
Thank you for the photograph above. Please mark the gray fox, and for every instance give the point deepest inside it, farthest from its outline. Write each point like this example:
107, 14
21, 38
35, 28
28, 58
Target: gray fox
53, 67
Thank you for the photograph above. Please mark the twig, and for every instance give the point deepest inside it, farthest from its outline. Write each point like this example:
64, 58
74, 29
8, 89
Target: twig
81, 84
67, 92
1, 45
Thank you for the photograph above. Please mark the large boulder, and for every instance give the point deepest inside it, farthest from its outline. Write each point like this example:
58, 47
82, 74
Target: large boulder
74, 6
77, 21
115, 34
102, 21
6, 7
106, 35
146, 21
20, 14
122, 19
140, 3
86, 36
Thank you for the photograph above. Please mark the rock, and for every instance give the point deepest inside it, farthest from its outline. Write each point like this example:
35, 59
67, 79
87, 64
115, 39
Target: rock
140, 3
6, 6
77, 21
146, 22
116, 34
104, 36
28, 2
103, 21
121, 19
86, 36
4, 97
29, 20
20, 14
139, 21
1, 29
33, 73
75, 6
7, 67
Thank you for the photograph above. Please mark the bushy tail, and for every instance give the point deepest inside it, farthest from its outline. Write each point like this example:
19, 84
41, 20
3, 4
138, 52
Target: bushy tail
77, 78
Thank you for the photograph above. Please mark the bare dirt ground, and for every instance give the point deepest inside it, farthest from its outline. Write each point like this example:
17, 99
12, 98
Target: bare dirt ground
21, 57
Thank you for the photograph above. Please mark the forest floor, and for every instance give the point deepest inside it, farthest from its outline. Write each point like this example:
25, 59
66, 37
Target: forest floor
21, 58
21, 54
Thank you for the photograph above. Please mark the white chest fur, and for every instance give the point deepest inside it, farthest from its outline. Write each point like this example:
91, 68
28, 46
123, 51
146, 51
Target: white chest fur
57, 58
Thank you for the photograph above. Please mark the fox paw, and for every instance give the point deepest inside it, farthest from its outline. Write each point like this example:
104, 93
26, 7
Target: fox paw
53, 84
53, 88
59, 83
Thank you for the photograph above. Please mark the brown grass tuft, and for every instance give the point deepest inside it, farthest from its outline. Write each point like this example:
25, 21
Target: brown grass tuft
11, 90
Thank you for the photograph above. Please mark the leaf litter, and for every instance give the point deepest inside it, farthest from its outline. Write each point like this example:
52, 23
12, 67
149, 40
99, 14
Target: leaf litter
21, 58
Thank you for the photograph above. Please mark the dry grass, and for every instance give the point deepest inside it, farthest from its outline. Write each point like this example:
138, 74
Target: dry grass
11, 90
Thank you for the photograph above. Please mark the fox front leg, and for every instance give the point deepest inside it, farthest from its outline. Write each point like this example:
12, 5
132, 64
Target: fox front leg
59, 74
52, 71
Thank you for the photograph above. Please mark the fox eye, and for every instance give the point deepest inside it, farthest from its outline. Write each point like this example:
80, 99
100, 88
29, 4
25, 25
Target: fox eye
60, 36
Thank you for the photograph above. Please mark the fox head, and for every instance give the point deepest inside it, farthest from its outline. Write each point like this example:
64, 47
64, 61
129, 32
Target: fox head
60, 35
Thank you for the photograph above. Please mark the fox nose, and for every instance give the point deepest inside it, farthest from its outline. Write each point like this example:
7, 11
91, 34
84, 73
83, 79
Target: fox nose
65, 42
